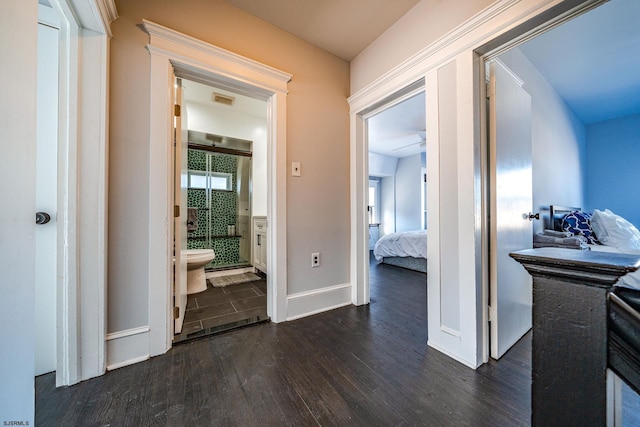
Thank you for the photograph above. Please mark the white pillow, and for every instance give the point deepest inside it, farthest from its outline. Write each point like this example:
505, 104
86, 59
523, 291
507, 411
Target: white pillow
613, 230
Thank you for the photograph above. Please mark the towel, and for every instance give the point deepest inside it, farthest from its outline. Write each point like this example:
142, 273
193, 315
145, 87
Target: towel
541, 240
192, 219
555, 233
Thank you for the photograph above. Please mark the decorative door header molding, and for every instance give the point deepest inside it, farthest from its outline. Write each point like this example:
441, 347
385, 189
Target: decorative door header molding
237, 66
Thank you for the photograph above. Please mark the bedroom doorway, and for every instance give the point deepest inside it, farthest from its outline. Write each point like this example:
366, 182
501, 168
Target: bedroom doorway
396, 196
559, 119
561, 123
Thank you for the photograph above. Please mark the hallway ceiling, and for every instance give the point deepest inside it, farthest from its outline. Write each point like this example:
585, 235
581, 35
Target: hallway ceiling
592, 61
341, 27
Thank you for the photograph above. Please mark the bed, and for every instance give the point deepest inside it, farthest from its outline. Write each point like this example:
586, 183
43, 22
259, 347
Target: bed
407, 250
603, 231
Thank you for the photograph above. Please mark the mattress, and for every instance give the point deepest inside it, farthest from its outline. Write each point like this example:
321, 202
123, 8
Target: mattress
405, 244
630, 280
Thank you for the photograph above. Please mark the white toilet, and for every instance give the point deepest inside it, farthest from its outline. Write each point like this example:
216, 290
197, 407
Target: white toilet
196, 260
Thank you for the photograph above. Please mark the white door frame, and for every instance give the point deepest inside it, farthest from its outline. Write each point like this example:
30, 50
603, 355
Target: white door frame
82, 188
199, 61
360, 291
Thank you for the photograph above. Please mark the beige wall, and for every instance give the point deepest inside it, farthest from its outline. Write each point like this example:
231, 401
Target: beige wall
425, 23
317, 137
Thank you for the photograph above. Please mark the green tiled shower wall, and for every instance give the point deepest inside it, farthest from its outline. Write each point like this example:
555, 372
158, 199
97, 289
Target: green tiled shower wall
223, 210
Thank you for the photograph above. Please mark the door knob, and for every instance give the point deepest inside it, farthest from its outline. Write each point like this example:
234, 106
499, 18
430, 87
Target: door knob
534, 216
42, 218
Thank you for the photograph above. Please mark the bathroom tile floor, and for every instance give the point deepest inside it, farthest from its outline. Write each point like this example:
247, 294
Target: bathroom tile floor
220, 309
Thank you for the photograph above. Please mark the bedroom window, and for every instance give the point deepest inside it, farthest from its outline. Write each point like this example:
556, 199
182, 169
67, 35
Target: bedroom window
374, 201
423, 196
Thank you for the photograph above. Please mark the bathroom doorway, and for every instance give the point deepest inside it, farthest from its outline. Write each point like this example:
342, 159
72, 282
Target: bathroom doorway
226, 192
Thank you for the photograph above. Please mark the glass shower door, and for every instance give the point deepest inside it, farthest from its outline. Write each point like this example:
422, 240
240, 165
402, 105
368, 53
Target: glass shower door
220, 190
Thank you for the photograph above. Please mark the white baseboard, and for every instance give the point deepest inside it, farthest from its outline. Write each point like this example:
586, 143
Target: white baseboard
127, 347
452, 355
305, 304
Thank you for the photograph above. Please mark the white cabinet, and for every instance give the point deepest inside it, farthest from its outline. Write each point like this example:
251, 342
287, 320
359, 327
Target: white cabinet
260, 243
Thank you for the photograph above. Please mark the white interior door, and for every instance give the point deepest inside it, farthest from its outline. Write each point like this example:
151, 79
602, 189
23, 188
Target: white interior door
511, 201
180, 199
46, 200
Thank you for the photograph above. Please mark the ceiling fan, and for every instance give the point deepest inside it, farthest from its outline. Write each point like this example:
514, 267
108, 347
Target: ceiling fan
421, 142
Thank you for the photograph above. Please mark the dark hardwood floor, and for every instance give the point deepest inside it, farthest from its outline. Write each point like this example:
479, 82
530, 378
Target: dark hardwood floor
353, 366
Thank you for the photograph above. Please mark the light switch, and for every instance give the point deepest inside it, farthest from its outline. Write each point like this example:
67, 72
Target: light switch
295, 168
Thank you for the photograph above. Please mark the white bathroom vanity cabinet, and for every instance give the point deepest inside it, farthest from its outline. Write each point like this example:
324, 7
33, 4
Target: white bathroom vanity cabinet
259, 252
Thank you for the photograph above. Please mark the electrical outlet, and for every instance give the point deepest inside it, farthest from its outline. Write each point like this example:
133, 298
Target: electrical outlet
315, 259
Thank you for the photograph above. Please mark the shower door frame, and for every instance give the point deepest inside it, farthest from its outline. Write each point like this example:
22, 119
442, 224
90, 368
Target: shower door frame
209, 196
173, 53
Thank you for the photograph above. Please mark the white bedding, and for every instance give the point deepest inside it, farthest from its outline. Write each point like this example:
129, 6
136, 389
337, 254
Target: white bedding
631, 280
619, 236
408, 243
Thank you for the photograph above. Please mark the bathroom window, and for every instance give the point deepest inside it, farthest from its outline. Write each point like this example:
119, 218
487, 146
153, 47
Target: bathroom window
212, 180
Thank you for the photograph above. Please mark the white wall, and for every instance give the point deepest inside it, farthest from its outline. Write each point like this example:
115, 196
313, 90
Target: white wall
425, 23
381, 165
18, 27
400, 191
388, 205
558, 140
408, 189
400, 183
226, 122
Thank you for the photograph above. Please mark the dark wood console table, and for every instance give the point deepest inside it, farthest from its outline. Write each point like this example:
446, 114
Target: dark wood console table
569, 354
